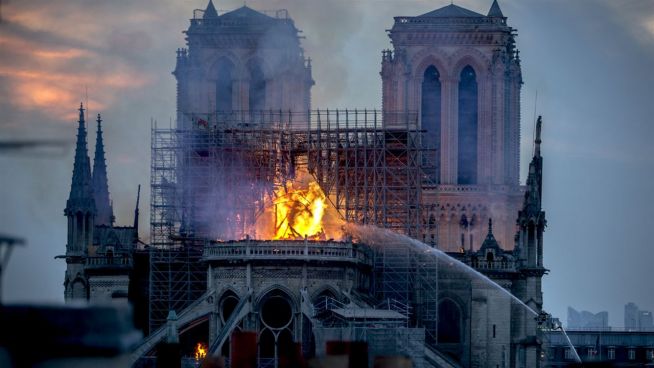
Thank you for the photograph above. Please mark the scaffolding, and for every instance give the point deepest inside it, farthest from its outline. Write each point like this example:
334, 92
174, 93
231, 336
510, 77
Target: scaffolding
211, 181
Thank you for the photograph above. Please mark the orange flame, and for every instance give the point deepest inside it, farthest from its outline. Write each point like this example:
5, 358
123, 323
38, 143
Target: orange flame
299, 209
200, 351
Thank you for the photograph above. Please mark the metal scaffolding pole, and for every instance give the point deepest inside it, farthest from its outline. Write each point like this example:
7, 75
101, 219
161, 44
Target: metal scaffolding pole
211, 181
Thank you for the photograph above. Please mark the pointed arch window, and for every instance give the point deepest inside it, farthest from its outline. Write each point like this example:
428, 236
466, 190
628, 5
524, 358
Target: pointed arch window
224, 86
468, 115
431, 114
257, 93
449, 322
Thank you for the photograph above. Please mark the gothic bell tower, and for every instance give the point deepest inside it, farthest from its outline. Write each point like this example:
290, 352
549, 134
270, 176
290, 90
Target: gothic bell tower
240, 66
459, 71
80, 211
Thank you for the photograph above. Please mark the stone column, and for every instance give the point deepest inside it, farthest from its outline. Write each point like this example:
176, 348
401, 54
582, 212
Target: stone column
449, 129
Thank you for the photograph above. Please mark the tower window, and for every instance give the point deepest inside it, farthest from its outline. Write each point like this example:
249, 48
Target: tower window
224, 86
257, 99
431, 114
468, 114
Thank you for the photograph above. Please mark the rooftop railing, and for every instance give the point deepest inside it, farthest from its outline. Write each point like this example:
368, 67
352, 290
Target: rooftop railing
450, 20
287, 250
493, 265
108, 261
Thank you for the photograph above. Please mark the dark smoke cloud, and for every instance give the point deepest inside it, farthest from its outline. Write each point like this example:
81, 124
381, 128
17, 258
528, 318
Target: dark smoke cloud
590, 61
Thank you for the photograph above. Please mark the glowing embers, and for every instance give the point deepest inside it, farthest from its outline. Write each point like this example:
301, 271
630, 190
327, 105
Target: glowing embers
200, 351
299, 209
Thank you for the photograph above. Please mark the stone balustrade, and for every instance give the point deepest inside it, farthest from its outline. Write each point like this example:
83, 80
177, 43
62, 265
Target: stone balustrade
108, 261
287, 250
493, 265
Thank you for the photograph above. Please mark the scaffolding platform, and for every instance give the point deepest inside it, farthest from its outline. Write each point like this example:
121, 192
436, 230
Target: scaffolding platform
213, 180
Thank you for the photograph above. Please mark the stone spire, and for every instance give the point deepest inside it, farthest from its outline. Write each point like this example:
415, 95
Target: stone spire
534, 192
490, 241
538, 141
531, 218
495, 10
105, 213
81, 193
210, 12
136, 210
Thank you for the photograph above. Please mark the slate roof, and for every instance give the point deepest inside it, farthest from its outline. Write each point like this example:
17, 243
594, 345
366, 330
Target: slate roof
246, 13
121, 237
452, 11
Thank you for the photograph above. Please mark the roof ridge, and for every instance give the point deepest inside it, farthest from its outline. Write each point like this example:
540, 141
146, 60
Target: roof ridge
452, 11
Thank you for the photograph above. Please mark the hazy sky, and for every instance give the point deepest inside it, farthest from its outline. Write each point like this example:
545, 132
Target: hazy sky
589, 60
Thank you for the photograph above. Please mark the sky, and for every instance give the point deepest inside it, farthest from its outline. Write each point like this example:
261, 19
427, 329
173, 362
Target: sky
587, 61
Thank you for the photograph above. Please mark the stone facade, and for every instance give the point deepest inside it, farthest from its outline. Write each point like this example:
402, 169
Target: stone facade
98, 253
281, 279
477, 154
241, 62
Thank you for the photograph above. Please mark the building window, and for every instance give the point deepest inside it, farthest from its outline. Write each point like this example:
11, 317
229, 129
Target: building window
494, 331
650, 354
467, 149
632, 354
449, 322
611, 353
567, 354
592, 352
224, 86
431, 113
257, 93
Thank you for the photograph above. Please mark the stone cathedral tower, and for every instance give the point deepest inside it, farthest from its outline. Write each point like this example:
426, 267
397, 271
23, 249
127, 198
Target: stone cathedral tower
99, 255
80, 211
460, 71
239, 64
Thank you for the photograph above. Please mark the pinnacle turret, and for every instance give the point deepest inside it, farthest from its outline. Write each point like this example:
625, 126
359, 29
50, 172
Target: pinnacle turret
104, 214
495, 10
490, 241
534, 193
210, 12
81, 193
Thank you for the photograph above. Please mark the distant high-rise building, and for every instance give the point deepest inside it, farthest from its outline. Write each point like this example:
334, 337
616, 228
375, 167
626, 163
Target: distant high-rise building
645, 320
636, 319
587, 320
631, 316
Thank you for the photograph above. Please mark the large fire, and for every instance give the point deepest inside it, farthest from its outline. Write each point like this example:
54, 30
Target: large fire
200, 351
299, 209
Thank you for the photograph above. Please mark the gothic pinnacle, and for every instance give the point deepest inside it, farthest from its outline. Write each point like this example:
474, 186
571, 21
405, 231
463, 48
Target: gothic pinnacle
81, 196
100, 183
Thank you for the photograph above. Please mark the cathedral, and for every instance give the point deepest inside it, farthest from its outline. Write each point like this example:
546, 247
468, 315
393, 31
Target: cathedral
98, 253
439, 163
